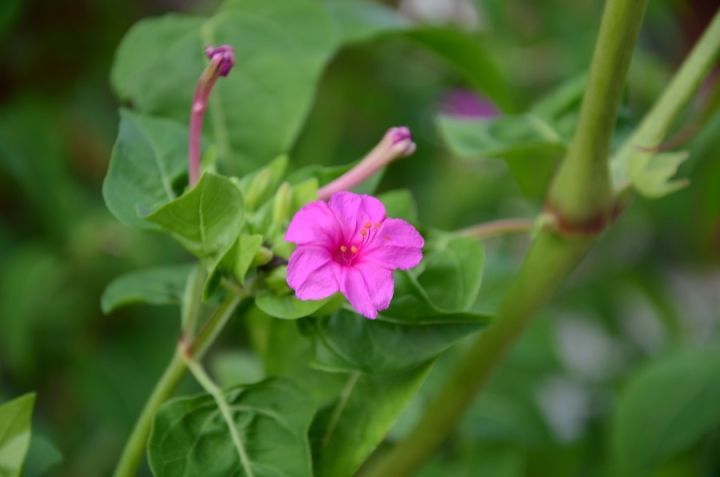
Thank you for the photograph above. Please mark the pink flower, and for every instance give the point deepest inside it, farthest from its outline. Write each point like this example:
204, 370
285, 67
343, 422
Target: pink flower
348, 245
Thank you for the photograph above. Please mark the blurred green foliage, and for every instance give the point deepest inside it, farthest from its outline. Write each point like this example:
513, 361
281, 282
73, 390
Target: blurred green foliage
627, 337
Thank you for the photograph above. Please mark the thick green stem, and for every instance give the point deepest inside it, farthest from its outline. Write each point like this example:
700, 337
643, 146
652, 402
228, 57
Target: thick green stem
551, 258
134, 450
580, 194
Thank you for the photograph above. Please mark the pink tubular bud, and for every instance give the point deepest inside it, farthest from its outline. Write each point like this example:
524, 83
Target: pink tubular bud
395, 144
222, 59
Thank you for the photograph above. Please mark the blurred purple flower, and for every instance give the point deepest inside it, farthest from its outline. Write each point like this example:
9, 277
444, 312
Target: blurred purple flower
463, 103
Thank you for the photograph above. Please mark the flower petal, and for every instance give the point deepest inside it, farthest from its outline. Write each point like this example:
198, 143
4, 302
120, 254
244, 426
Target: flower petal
311, 273
368, 289
355, 210
396, 245
379, 281
314, 223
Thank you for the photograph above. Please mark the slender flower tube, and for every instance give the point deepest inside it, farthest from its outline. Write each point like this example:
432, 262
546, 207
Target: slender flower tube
396, 144
349, 245
222, 59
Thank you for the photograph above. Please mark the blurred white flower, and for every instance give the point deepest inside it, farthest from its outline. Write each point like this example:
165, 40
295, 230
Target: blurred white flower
586, 350
566, 407
463, 13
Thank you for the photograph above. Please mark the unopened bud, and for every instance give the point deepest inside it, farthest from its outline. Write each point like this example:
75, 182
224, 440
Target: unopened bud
224, 55
282, 205
257, 188
276, 281
262, 257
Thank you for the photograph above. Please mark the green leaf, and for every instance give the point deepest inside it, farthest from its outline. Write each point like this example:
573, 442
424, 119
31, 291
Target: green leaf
42, 457
256, 111
191, 438
469, 56
15, 432
287, 307
346, 341
304, 192
236, 261
357, 21
259, 186
452, 275
428, 314
652, 174
236, 367
156, 286
347, 431
149, 156
685, 394
528, 143
207, 219
400, 204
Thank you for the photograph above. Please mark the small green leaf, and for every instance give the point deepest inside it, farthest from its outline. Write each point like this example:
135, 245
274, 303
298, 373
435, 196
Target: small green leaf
652, 174
190, 437
400, 204
453, 274
287, 307
259, 186
685, 394
344, 433
236, 261
304, 192
15, 432
207, 219
156, 286
528, 143
149, 156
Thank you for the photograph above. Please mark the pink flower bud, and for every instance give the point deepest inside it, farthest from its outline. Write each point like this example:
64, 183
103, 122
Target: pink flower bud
224, 55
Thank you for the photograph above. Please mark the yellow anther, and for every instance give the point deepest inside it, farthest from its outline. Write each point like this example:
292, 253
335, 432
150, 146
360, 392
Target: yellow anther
363, 232
343, 248
377, 225
367, 225
353, 249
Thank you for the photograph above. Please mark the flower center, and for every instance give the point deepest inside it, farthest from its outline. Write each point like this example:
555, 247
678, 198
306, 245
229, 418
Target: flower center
346, 254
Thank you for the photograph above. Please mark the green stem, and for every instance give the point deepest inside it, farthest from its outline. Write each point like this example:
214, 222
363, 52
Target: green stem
214, 390
192, 299
656, 123
579, 195
581, 192
134, 449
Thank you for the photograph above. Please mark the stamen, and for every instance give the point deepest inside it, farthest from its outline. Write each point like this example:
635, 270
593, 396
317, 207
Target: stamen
343, 248
354, 249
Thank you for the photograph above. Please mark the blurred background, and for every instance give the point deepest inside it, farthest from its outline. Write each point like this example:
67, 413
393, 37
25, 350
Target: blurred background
652, 285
